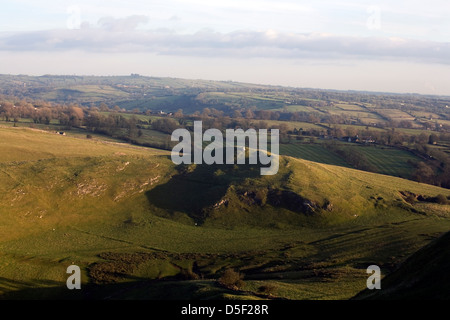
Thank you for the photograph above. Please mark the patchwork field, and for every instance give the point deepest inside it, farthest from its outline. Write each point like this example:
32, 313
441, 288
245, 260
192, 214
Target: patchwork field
384, 160
389, 161
312, 152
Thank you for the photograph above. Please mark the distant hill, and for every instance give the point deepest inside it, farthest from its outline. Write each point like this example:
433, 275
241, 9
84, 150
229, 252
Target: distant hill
423, 276
129, 92
170, 94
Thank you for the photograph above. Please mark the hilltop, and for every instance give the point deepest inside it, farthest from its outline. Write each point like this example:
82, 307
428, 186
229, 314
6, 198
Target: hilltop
308, 232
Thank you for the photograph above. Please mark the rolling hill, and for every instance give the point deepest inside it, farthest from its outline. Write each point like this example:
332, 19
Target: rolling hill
132, 221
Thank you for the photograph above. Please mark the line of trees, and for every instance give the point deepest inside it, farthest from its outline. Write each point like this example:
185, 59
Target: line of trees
41, 112
436, 170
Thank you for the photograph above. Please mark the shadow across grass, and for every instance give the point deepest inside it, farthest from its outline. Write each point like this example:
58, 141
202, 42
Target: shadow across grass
197, 188
134, 288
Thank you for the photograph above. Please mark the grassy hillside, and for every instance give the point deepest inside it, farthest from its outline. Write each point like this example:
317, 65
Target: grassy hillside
130, 218
422, 276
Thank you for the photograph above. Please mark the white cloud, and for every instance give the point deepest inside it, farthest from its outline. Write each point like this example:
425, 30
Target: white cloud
122, 35
122, 24
408, 19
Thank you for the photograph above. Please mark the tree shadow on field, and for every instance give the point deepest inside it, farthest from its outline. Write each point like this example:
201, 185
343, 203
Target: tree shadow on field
54, 290
134, 289
198, 187
34, 290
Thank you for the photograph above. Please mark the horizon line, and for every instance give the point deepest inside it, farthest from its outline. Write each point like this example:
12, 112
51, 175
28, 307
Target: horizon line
367, 91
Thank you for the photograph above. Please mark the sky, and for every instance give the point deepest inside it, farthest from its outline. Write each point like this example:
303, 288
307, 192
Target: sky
390, 46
